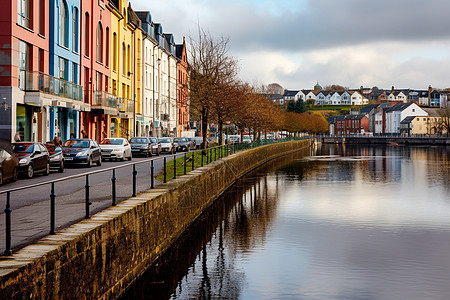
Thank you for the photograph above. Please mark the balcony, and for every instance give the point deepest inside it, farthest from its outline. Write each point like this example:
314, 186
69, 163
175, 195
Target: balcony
125, 107
104, 103
37, 81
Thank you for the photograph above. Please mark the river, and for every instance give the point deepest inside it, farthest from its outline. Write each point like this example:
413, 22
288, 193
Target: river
334, 222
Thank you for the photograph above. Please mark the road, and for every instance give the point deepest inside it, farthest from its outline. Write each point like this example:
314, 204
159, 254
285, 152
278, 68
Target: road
31, 207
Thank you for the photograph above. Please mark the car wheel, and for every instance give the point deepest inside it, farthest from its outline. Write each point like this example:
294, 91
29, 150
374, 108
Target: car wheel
47, 169
15, 174
1, 177
30, 171
157, 152
130, 157
99, 161
88, 162
61, 167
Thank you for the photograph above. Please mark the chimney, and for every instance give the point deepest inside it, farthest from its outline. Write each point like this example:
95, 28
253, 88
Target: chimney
392, 89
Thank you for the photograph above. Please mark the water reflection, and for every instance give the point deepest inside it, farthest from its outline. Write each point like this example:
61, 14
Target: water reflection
343, 222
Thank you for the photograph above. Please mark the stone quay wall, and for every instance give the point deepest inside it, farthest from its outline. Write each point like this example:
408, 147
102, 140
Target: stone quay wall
98, 258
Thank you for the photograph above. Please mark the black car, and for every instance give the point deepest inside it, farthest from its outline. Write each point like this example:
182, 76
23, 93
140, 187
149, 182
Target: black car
185, 144
9, 163
33, 158
56, 157
141, 146
82, 151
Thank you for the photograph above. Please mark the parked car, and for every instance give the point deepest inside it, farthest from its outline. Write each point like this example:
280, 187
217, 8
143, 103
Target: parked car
155, 146
82, 151
199, 141
33, 158
233, 138
185, 144
247, 139
9, 163
56, 156
141, 146
116, 148
168, 145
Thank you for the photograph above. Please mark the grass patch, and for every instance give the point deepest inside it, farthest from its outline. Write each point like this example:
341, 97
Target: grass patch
180, 163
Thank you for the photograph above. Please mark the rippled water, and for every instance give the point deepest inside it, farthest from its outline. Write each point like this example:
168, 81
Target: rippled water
342, 222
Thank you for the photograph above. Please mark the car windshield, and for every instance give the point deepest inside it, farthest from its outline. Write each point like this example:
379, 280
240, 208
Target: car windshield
165, 140
112, 142
23, 148
183, 140
138, 141
76, 144
154, 140
52, 148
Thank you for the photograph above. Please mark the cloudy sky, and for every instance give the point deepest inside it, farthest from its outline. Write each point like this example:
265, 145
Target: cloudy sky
405, 43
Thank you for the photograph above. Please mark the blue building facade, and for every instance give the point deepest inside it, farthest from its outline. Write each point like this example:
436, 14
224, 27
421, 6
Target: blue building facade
64, 60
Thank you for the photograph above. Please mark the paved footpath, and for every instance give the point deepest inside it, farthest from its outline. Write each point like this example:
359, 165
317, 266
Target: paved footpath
30, 217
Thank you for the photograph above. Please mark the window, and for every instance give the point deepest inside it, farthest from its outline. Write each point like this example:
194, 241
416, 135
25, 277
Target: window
75, 73
62, 67
42, 17
129, 61
107, 47
63, 23
99, 42
123, 58
24, 63
114, 62
23, 13
75, 29
86, 35
98, 81
41, 60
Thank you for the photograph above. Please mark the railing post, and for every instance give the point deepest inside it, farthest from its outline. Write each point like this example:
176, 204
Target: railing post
134, 180
152, 170
193, 160
8, 211
87, 203
113, 184
174, 167
165, 173
201, 154
52, 209
185, 163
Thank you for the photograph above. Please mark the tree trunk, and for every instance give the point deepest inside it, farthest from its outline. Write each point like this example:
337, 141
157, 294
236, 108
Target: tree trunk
204, 128
220, 132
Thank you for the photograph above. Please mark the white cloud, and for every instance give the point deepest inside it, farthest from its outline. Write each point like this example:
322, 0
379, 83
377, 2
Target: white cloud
348, 42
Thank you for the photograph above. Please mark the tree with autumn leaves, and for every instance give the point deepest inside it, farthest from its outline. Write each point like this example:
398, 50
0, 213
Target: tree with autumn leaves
217, 95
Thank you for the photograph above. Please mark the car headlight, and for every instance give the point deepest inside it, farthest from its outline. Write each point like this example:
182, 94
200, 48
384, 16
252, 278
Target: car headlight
23, 161
82, 153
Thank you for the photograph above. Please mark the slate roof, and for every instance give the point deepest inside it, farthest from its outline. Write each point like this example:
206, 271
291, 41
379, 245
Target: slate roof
367, 109
398, 107
289, 93
407, 120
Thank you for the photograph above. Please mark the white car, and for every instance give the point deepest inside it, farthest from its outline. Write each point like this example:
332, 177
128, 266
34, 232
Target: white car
115, 148
167, 145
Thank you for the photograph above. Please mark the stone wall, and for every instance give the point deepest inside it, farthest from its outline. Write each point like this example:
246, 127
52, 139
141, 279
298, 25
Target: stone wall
101, 256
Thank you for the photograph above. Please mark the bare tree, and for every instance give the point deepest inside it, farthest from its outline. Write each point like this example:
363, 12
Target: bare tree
211, 68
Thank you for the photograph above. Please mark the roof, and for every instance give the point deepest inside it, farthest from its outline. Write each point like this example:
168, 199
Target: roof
290, 93
432, 112
407, 120
367, 109
399, 107
355, 117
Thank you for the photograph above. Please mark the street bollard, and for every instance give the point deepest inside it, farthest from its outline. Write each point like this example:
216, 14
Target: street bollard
8, 211
87, 203
113, 185
134, 180
52, 209
185, 163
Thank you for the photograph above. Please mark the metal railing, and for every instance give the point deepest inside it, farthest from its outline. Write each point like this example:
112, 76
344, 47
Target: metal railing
178, 165
38, 81
102, 98
125, 105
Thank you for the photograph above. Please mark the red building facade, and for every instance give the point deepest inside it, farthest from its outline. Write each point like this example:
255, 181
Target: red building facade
352, 124
182, 89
